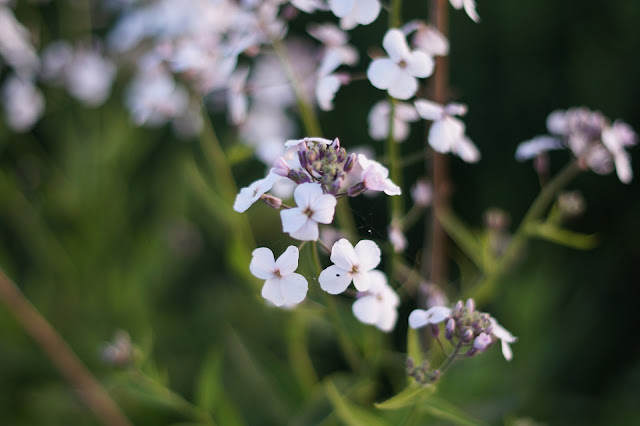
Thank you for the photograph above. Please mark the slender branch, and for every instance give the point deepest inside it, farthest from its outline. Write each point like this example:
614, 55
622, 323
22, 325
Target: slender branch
70, 366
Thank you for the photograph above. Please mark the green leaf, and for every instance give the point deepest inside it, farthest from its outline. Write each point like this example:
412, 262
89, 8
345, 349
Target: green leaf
412, 394
550, 232
444, 410
350, 414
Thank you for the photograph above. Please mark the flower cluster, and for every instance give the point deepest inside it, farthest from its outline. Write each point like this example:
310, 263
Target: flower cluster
594, 140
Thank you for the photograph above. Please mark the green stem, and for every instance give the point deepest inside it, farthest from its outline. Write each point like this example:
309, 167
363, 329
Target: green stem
487, 286
350, 351
450, 359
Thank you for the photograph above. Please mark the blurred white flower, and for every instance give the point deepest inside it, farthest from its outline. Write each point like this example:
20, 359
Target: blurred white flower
378, 120
505, 338
447, 133
155, 98
469, 7
374, 177
89, 77
23, 103
313, 207
397, 74
427, 38
283, 287
397, 238
379, 305
237, 96
615, 138
422, 193
354, 12
533, 147
420, 318
15, 47
252, 193
350, 264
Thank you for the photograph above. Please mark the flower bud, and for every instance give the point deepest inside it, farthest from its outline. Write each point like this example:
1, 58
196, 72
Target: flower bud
312, 156
322, 149
471, 352
435, 330
350, 163
271, 201
471, 305
467, 335
357, 189
336, 143
434, 376
281, 168
342, 154
482, 342
335, 186
449, 329
302, 156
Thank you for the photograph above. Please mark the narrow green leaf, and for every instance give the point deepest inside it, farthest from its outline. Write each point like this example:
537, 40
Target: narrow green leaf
350, 414
444, 410
209, 381
562, 236
412, 394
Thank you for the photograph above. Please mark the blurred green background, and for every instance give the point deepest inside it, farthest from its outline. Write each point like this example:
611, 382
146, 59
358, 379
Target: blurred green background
103, 228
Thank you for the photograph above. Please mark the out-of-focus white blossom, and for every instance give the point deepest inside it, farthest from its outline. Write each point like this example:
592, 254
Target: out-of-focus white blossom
427, 38
378, 120
155, 98
399, 72
354, 12
469, 7
23, 103
397, 238
420, 318
422, 193
377, 306
15, 47
374, 177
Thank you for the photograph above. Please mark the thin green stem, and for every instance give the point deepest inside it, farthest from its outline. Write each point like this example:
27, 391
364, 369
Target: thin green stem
350, 351
487, 286
450, 359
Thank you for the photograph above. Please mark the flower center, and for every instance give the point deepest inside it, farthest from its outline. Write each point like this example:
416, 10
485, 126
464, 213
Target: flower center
403, 64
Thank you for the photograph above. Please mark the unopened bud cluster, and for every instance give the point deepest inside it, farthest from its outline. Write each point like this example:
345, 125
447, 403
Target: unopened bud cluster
468, 327
421, 373
326, 164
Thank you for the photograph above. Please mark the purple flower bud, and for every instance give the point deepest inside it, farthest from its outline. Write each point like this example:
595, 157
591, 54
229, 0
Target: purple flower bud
302, 156
336, 143
335, 186
342, 155
434, 376
357, 189
312, 156
450, 328
435, 330
471, 352
458, 306
350, 163
482, 342
322, 149
281, 168
410, 363
471, 305
467, 335
271, 201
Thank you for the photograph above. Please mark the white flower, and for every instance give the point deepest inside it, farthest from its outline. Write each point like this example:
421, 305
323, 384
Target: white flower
326, 89
374, 177
420, 318
397, 74
615, 138
379, 305
89, 77
313, 207
469, 7
154, 98
309, 6
354, 12
350, 264
447, 133
296, 142
253, 192
536, 146
431, 41
482, 342
23, 103
505, 337
237, 96
378, 120
283, 287
397, 238
422, 193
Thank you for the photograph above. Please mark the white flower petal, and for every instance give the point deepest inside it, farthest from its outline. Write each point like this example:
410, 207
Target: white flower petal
326, 89
306, 193
307, 232
506, 351
366, 11
288, 261
262, 263
387, 319
361, 280
323, 208
466, 150
622, 161
444, 133
419, 317
368, 254
403, 87
420, 65
272, 291
395, 44
292, 219
366, 309
294, 288
382, 72
343, 254
429, 110
534, 147
341, 8
334, 280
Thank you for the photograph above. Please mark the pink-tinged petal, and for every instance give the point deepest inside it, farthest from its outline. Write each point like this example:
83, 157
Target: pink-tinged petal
391, 188
466, 150
420, 65
482, 341
470, 8
366, 309
253, 192
387, 319
272, 292
307, 232
557, 122
457, 4
361, 280
403, 87
622, 161
341, 8
382, 72
366, 11
445, 133
262, 263
288, 261
536, 146
419, 317
368, 254
395, 44
343, 254
334, 280
294, 288
506, 351
429, 110
305, 194
293, 219
405, 112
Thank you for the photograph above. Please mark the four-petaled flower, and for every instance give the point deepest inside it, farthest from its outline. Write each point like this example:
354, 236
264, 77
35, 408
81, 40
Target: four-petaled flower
375, 176
379, 305
397, 73
282, 287
313, 207
350, 264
